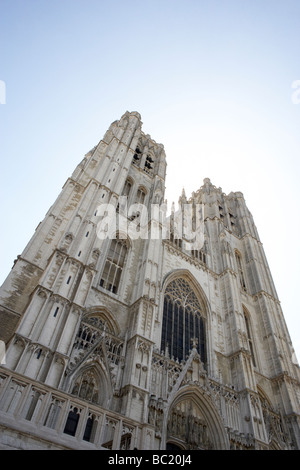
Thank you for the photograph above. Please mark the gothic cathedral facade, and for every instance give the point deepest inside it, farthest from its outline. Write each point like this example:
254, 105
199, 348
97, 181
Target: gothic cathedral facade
120, 336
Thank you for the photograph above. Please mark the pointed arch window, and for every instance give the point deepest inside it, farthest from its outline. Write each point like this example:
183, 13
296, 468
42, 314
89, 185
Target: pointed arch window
137, 156
240, 270
140, 196
183, 322
90, 428
127, 188
249, 336
148, 166
125, 192
87, 386
72, 422
114, 265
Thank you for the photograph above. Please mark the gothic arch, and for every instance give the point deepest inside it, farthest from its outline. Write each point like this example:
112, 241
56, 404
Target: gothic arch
143, 188
264, 398
96, 353
272, 422
122, 235
19, 345
185, 318
198, 424
130, 180
92, 383
115, 234
141, 194
240, 268
188, 276
115, 260
249, 334
103, 314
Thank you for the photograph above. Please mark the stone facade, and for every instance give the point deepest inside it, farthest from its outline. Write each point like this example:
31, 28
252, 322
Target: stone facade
137, 341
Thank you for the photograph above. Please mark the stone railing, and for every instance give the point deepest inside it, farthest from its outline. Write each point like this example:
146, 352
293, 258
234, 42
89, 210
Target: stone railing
36, 416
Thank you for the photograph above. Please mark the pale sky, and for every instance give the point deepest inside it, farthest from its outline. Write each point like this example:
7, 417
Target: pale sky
212, 79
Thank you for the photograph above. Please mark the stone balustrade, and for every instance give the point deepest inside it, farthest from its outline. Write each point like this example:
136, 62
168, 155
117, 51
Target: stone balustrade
36, 414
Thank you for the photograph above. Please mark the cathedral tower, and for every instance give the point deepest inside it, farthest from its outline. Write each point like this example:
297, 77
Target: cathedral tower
122, 332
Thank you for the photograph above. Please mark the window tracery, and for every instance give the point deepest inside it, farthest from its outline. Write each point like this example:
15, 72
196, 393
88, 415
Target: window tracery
87, 387
183, 321
95, 360
143, 158
273, 422
91, 330
115, 261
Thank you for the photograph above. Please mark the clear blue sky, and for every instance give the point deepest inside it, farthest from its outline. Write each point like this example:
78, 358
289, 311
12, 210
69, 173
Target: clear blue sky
211, 79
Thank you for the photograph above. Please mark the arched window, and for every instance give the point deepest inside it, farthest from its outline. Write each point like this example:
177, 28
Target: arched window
249, 336
240, 269
114, 265
72, 422
127, 188
90, 329
140, 196
137, 156
124, 195
148, 167
87, 386
90, 428
183, 321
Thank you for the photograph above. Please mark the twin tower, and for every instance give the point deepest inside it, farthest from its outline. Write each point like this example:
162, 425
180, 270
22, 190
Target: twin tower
119, 339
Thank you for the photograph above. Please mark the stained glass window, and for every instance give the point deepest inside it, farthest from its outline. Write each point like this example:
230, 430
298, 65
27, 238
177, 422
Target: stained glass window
183, 321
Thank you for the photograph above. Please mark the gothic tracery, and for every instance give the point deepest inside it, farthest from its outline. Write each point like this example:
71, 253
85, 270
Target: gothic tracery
183, 321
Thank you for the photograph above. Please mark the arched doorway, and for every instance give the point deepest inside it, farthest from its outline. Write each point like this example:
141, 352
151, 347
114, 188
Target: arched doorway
194, 423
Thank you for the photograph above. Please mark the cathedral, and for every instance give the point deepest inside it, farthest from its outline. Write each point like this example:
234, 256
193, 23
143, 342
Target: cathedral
127, 327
